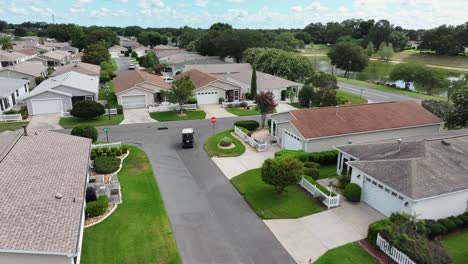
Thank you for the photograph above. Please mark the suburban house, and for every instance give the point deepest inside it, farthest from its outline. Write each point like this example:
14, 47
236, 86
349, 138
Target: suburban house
30, 53
53, 58
30, 44
59, 93
117, 51
177, 60
76, 57
69, 49
322, 128
128, 43
424, 176
209, 88
26, 70
139, 89
43, 196
81, 67
241, 73
141, 50
11, 58
11, 91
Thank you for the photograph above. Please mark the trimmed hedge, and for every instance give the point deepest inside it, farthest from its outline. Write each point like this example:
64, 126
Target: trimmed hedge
225, 142
97, 207
246, 131
375, 228
312, 172
87, 109
448, 224
106, 165
322, 158
298, 154
248, 124
86, 131
90, 194
352, 192
311, 164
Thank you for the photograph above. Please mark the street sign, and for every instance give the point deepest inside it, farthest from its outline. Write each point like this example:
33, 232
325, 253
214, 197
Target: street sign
106, 129
213, 120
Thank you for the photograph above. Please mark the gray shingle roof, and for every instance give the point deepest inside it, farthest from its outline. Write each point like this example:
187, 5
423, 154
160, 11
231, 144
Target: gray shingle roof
418, 168
10, 85
36, 169
29, 68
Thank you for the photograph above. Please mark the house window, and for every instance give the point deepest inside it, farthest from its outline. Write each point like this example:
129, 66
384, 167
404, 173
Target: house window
25, 88
394, 194
387, 190
400, 197
380, 186
17, 92
374, 182
89, 97
1, 104
367, 179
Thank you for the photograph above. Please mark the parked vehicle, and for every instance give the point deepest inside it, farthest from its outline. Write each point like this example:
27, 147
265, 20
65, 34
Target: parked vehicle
131, 67
187, 138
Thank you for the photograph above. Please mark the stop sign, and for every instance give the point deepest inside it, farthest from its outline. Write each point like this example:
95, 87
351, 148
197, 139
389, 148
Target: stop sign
213, 120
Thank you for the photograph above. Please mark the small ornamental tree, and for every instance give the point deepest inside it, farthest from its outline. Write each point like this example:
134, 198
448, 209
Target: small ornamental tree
282, 172
181, 91
87, 109
253, 82
307, 95
266, 104
134, 54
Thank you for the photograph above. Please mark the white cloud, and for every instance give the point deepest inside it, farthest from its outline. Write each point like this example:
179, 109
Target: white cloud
297, 8
122, 1
235, 1
314, 6
145, 4
201, 3
77, 9
84, 1
18, 11
238, 13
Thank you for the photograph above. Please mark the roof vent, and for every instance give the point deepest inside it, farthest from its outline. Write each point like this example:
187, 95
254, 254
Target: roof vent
445, 143
58, 196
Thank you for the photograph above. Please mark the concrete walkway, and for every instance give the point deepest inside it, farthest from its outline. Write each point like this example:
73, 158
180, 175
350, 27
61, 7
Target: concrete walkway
309, 237
136, 116
45, 122
215, 110
284, 107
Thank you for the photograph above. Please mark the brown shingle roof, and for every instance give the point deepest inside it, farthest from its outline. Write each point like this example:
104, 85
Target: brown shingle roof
84, 68
36, 169
129, 79
29, 52
327, 121
198, 78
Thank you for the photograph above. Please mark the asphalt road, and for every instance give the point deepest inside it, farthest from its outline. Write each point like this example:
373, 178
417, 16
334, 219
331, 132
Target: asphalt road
212, 223
122, 64
373, 95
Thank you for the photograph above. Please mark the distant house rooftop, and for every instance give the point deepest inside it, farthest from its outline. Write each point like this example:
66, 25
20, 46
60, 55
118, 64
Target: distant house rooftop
10, 85
129, 79
83, 68
29, 68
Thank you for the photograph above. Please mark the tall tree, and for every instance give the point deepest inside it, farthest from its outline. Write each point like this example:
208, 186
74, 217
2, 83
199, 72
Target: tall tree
430, 78
95, 35
406, 72
398, 39
370, 49
266, 104
348, 56
282, 172
6, 43
379, 32
19, 32
96, 54
149, 61
150, 38
253, 82
3, 25
182, 90
386, 51
459, 116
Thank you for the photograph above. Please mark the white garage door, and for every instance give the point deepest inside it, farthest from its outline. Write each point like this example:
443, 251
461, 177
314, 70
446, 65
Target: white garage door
133, 101
207, 98
291, 141
46, 106
381, 198
277, 94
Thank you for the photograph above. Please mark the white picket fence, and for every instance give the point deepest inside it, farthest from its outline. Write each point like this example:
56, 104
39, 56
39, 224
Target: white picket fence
107, 145
165, 107
393, 252
237, 104
10, 118
260, 147
328, 200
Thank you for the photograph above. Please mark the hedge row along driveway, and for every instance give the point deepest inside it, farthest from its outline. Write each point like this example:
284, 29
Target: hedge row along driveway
139, 230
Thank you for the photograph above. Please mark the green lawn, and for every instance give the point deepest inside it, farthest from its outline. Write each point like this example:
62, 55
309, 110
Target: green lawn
242, 111
211, 145
351, 98
12, 126
457, 247
351, 253
293, 203
174, 115
327, 171
316, 49
71, 122
112, 98
139, 230
391, 89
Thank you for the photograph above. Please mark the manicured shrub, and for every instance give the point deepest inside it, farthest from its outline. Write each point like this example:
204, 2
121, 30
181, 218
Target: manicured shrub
248, 96
376, 228
447, 223
310, 164
97, 207
298, 154
435, 228
104, 155
86, 131
119, 109
90, 194
225, 142
192, 100
220, 100
457, 221
124, 149
324, 157
246, 131
87, 109
249, 124
106, 165
93, 156
243, 104
343, 181
352, 192
269, 122
281, 173
312, 172
118, 152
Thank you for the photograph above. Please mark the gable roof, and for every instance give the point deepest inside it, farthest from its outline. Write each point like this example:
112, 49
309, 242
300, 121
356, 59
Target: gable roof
117, 48
11, 56
10, 85
417, 168
29, 68
198, 78
33, 220
84, 68
55, 55
130, 79
342, 120
29, 52
70, 79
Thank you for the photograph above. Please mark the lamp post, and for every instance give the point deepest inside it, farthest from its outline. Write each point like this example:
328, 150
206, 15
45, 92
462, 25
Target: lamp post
362, 89
108, 104
349, 67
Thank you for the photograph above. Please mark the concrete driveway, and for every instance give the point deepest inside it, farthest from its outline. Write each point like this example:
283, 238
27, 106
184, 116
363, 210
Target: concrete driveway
136, 116
211, 221
215, 110
45, 122
284, 107
309, 237
122, 64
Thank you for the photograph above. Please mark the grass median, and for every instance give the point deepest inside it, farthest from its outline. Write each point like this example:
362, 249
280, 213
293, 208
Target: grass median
211, 145
12, 126
176, 116
71, 122
347, 254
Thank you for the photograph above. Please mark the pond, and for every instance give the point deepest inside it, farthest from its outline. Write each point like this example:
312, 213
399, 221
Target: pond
377, 71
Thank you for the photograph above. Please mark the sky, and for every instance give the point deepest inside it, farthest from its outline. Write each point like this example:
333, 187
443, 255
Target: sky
266, 14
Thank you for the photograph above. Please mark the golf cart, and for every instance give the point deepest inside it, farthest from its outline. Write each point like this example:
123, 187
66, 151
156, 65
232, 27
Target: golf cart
187, 138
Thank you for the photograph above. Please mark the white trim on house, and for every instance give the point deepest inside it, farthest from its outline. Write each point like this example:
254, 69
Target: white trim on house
133, 95
46, 99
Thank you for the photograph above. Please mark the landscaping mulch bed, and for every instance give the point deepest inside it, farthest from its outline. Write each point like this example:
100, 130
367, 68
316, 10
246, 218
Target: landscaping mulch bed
376, 253
89, 221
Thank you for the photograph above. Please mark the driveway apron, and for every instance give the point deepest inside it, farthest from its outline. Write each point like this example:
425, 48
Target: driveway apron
45, 122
